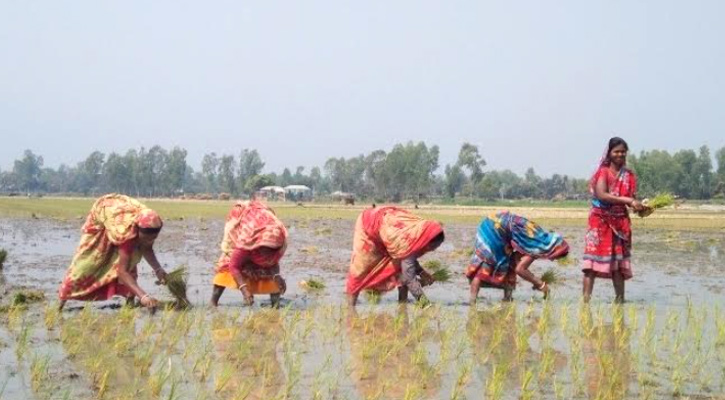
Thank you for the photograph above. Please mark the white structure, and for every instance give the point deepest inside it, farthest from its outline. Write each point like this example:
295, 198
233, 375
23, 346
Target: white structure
298, 192
272, 193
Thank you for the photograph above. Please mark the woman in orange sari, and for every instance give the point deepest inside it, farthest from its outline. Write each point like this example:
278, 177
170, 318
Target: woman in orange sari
254, 242
118, 232
386, 246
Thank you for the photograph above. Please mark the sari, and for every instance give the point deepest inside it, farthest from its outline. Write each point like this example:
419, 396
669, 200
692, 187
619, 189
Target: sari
110, 228
383, 237
608, 241
498, 236
251, 225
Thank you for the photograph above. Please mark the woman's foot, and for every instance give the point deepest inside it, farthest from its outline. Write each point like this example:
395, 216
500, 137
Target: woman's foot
281, 284
544, 288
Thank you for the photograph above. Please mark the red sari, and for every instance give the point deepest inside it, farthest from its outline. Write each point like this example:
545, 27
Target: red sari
383, 237
608, 239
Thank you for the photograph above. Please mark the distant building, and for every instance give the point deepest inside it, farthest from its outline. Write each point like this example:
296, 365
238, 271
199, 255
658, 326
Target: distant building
272, 193
298, 193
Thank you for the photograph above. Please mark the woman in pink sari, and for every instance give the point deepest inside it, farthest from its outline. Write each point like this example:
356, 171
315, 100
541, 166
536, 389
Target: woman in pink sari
608, 241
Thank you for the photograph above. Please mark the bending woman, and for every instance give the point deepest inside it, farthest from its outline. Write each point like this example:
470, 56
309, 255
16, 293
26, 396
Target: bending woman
118, 232
506, 246
608, 240
254, 242
386, 246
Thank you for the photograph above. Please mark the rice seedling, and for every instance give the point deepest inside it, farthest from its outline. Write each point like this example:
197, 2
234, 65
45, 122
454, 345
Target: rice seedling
3, 257
551, 277
39, 371
324, 231
566, 261
373, 296
310, 250
24, 297
661, 200
439, 272
312, 285
176, 284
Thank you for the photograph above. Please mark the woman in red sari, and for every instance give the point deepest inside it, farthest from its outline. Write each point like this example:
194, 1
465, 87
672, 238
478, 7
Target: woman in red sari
608, 240
254, 242
386, 246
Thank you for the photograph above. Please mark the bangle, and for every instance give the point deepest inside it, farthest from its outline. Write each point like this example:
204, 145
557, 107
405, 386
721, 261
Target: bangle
242, 286
143, 297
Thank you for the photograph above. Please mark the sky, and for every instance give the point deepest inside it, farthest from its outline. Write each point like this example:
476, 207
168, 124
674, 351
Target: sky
532, 83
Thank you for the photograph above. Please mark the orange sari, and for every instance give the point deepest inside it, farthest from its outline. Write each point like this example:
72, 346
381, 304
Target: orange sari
250, 226
383, 237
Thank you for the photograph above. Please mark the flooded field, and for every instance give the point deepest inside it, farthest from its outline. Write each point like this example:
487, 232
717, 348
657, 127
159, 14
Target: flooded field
667, 341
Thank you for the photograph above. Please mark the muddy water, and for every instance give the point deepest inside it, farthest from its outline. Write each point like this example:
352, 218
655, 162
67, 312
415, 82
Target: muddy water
675, 271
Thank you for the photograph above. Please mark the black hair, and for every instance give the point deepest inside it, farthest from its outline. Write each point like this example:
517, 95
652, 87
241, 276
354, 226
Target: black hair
614, 142
439, 238
149, 231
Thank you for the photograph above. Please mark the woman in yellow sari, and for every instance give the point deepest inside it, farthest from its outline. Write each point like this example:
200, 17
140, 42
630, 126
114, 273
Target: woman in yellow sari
254, 242
118, 232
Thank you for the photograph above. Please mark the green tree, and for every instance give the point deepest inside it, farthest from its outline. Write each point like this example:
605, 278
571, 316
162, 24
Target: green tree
250, 164
27, 171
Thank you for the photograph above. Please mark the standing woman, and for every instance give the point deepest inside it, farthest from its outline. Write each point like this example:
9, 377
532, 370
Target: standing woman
386, 246
608, 239
118, 232
254, 241
506, 246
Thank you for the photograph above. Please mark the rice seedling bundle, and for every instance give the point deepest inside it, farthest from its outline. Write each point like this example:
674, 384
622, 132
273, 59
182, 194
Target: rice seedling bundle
439, 272
551, 277
660, 201
176, 284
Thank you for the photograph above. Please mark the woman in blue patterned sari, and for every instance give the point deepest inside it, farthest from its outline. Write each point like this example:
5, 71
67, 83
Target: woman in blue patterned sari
506, 246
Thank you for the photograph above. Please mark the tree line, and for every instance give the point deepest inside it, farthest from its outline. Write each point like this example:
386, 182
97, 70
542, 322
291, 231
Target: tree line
408, 171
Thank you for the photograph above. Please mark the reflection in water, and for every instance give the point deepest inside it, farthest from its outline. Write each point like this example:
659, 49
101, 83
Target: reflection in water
389, 358
606, 351
502, 350
247, 355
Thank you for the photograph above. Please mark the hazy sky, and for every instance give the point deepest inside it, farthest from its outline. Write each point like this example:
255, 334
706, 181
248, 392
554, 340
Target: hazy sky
539, 83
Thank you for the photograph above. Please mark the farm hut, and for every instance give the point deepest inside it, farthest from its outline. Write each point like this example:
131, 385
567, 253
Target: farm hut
272, 193
298, 193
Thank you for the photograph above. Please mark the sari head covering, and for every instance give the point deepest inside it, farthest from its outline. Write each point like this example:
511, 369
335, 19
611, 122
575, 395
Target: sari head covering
250, 227
111, 227
149, 219
383, 237
500, 235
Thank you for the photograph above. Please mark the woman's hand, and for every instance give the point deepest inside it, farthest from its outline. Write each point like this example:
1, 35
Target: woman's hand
637, 205
160, 276
148, 301
426, 279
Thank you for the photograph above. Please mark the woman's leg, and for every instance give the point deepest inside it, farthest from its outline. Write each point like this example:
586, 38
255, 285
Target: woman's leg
216, 294
618, 281
588, 285
402, 294
351, 299
475, 288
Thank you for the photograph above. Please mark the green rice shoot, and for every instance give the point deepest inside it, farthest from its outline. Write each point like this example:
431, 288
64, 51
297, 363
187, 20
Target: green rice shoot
439, 272
313, 285
660, 201
373, 296
551, 277
176, 284
565, 261
3, 257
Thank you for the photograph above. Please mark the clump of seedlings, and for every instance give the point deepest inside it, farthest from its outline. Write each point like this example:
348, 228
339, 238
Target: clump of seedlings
551, 277
24, 297
3, 257
312, 285
176, 283
662, 200
439, 272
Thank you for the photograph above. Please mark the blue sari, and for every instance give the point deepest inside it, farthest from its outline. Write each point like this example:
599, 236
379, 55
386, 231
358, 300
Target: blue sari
502, 234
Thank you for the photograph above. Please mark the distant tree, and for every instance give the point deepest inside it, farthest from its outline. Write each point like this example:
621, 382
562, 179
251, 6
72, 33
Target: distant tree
259, 181
455, 179
250, 164
227, 174
470, 159
27, 171
210, 172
